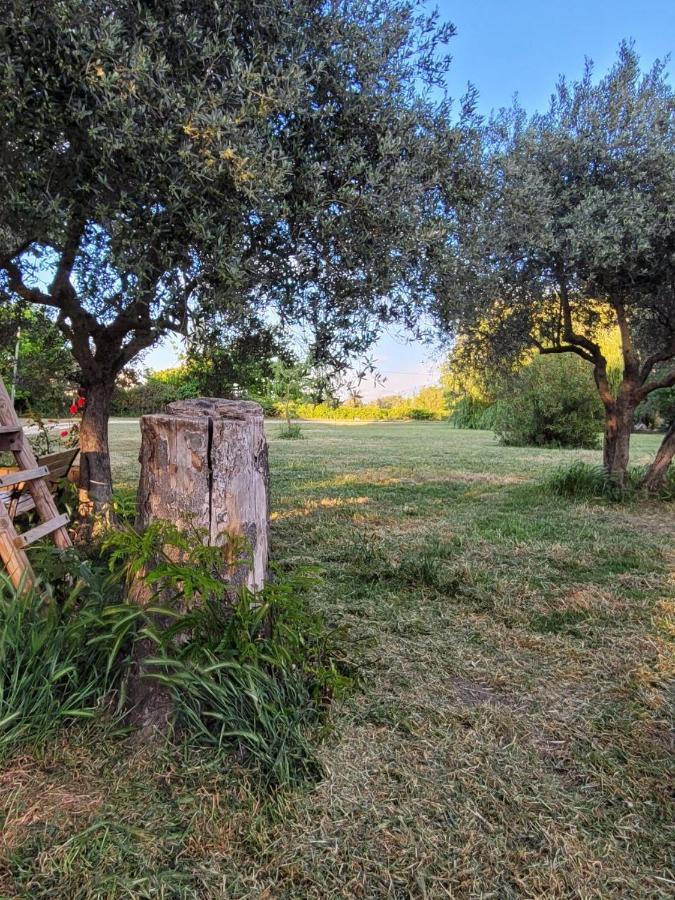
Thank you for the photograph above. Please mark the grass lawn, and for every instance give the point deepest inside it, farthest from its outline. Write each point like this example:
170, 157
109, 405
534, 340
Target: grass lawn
510, 737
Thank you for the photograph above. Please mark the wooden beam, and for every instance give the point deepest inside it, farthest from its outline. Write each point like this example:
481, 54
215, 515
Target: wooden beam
14, 558
25, 458
22, 475
40, 531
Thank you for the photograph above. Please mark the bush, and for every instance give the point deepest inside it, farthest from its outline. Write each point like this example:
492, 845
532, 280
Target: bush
470, 412
253, 671
552, 402
657, 410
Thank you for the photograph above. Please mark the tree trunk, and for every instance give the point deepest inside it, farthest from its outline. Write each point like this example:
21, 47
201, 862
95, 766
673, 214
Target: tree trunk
655, 478
95, 496
616, 447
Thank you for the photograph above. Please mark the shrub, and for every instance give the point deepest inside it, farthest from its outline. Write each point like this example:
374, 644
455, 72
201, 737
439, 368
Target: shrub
256, 677
552, 402
470, 412
253, 672
657, 410
422, 415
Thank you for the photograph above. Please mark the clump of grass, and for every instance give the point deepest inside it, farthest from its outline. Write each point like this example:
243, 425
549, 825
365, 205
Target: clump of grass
583, 481
248, 671
54, 662
290, 433
427, 569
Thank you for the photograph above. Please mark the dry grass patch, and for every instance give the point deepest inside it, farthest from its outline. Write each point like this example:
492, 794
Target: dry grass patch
511, 737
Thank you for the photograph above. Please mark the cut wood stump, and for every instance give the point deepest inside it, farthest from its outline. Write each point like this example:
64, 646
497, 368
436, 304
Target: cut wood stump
204, 465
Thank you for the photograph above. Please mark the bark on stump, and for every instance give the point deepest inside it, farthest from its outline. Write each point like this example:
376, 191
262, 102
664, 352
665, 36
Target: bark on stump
204, 465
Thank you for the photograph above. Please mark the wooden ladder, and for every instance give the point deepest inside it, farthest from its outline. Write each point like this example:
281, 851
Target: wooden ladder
12, 544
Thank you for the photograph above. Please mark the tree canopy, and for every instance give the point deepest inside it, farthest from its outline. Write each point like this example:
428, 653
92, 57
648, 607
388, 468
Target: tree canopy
575, 234
162, 162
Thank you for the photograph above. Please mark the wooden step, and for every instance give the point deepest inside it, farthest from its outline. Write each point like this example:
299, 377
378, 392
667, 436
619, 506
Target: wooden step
40, 531
20, 476
11, 437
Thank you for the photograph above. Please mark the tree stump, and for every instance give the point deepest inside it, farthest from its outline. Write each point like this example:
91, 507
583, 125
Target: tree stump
204, 464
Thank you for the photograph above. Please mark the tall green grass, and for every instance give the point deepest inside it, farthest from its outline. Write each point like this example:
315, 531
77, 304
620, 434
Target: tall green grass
583, 481
248, 672
54, 662
255, 676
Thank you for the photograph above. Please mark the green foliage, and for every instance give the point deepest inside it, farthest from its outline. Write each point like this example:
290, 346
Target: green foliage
253, 671
46, 371
472, 412
290, 382
552, 403
488, 419
153, 394
54, 656
223, 364
290, 432
256, 677
426, 405
249, 672
216, 365
583, 481
124, 505
658, 409
421, 415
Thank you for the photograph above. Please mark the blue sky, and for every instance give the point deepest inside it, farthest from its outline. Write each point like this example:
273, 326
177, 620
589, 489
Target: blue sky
509, 47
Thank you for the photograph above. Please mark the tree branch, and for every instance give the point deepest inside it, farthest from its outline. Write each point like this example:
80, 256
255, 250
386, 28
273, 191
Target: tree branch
61, 285
565, 348
17, 285
662, 355
569, 334
665, 382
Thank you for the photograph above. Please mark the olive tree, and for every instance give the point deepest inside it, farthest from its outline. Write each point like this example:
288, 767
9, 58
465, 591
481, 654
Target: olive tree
203, 160
574, 234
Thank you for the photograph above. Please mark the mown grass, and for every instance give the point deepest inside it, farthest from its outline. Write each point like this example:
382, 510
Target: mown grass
511, 735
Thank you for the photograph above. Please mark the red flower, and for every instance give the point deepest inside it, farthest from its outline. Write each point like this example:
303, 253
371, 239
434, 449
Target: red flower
65, 433
73, 409
81, 401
